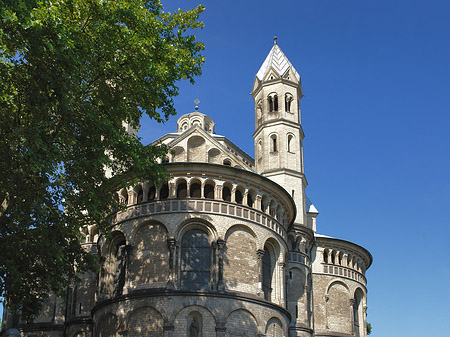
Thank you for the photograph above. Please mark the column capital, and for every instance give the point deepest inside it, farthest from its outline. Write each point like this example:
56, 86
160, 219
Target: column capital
260, 253
171, 242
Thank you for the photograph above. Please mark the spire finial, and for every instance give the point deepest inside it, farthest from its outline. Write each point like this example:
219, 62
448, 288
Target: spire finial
196, 101
275, 40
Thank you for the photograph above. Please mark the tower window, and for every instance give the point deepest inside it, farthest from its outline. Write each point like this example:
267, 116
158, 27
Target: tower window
273, 140
290, 144
288, 102
273, 102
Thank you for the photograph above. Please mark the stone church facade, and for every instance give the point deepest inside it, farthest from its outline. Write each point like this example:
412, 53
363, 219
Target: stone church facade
227, 247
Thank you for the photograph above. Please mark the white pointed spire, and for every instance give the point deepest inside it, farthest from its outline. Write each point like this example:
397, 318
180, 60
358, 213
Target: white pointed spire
278, 61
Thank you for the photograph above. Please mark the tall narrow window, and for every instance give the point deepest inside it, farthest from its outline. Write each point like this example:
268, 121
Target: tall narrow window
325, 256
182, 190
238, 196
140, 195
260, 150
275, 103
267, 275
290, 144
164, 192
151, 193
226, 194
270, 99
195, 260
274, 147
287, 102
249, 200
209, 191
195, 190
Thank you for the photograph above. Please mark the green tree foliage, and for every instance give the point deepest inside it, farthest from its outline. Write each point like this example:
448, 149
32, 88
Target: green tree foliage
71, 72
369, 329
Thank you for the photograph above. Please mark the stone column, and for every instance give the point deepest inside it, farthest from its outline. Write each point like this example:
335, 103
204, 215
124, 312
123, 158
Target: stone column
220, 251
260, 255
145, 190
131, 197
327, 298
171, 243
157, 192
258, 199
245, 198
101, 281
168, 330
221, 329
176, 266
305, 302
214, 266
280, 295
233, 193
188, 188
218, 192
172, 190
202, 190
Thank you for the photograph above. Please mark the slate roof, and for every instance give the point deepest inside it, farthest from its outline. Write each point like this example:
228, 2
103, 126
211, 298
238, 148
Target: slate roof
278, 61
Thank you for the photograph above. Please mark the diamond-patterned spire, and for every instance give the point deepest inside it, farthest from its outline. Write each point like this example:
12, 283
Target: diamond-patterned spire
278, 61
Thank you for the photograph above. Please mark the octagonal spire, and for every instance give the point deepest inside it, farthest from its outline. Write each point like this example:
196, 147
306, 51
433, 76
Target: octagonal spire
278, 62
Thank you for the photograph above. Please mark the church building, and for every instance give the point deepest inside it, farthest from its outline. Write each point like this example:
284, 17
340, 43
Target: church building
227, 247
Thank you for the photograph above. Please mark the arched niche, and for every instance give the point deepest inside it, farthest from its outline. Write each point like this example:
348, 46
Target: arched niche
196, 151
149, 264
240, 265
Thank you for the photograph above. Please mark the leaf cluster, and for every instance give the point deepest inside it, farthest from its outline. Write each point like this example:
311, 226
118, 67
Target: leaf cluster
72, 73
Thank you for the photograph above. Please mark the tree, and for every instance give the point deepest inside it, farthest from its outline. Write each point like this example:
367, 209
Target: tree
71, 73
369, 329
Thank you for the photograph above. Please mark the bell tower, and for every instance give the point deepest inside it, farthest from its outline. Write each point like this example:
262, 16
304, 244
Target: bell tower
278, 135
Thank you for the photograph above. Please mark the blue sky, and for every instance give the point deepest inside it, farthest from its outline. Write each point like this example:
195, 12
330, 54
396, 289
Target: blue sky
376, 115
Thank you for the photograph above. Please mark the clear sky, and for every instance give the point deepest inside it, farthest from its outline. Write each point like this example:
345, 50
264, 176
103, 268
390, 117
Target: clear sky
376, 116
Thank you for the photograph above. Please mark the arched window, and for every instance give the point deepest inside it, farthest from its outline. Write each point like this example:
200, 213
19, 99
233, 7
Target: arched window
226, 193
140, 194
209, 191
290, 143
267, 274
151, 193
227, 162
333, 256
260, 150
195, 190
325, 256
238, 196
164, 192
270, 99
275, 103
182, 190
249, 200
195, 260
124, 196
273, 140
287, 102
